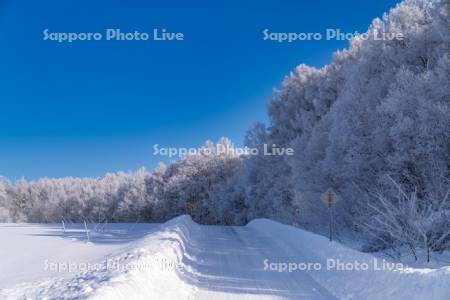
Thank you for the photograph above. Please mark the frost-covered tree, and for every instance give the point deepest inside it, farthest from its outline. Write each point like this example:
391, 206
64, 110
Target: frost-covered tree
380, 108
5, 205
193, 178
127, 197
402, 219
133, 194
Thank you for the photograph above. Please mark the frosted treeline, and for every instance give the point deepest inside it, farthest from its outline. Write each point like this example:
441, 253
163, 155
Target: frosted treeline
373, 125
139, 196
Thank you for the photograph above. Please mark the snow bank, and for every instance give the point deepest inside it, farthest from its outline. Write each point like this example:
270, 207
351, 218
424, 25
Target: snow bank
149, 266
381, 280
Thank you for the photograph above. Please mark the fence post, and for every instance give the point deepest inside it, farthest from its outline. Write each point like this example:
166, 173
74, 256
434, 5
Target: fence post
87, 231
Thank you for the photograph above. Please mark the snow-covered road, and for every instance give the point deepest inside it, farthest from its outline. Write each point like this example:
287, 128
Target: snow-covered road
231, 266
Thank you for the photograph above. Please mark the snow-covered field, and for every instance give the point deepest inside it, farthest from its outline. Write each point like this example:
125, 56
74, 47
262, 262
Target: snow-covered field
32, 250
183, 260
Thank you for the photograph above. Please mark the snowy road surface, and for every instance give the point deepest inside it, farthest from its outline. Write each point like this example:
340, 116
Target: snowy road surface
232, 267
183, 260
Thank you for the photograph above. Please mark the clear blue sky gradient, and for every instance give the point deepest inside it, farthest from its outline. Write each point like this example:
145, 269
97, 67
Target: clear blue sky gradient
87, 108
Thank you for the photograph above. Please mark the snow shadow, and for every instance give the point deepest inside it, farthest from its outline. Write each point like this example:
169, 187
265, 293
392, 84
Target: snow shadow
114, 233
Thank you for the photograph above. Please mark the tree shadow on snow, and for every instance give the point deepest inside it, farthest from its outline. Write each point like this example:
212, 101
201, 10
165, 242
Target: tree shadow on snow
114, 233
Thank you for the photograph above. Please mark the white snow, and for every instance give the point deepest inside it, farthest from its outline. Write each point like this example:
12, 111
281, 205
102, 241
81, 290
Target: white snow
30, 249
378, 282
184, 260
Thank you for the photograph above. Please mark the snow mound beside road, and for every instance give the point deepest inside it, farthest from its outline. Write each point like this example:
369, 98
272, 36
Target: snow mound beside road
382, 279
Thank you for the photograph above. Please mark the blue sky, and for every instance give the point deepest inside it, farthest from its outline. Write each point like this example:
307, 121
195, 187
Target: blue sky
87, 108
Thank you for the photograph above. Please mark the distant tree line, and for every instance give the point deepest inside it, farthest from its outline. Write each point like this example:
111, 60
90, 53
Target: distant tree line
139, 196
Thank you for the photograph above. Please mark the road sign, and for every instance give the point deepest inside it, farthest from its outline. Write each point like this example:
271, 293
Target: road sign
329, 198
190, 205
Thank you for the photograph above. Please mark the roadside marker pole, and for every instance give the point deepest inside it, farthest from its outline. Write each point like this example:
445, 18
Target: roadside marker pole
87, 231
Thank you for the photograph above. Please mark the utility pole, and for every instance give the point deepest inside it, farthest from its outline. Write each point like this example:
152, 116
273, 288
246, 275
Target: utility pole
329, 198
